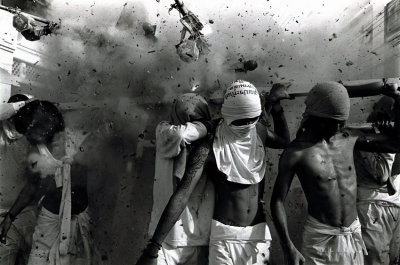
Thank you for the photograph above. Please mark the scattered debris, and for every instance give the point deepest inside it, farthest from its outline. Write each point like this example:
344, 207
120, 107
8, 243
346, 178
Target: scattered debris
189, 49
149, 29
248, 65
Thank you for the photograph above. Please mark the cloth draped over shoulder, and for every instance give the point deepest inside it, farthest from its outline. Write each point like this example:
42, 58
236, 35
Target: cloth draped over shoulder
172, 142
59, 250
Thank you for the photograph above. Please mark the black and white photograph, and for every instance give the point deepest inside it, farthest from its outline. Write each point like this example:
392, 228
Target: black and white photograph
187, 132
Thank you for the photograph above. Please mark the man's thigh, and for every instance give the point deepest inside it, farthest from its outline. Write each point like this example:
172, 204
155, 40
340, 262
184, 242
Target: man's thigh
376, 233
239, 252
170, 255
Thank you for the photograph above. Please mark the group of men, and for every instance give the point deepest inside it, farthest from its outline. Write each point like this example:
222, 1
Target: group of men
213, 171
43, 194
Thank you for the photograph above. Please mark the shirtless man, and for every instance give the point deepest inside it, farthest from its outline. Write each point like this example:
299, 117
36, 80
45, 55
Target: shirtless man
378, 206
13, 151
239, 234
322, 157
62, 224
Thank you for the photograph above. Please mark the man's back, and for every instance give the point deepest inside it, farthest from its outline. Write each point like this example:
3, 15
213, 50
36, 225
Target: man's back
326, 172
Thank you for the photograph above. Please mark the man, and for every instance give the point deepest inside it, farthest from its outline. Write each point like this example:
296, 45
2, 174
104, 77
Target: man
187, 242
379, 211
239, 234
322, 157
13, 150
61, 232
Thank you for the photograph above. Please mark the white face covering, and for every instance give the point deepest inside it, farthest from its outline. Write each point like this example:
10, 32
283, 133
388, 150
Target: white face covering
243, 130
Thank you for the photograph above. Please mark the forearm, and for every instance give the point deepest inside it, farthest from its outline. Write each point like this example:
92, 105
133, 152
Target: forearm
25, 197
280, 125
280, 220
170, 216
9, 109
179, 199
373, 88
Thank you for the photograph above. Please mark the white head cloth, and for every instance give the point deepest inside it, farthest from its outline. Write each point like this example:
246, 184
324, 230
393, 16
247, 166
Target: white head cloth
238, 150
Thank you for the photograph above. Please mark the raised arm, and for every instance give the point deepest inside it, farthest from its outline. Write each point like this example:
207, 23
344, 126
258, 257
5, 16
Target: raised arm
178, 200
384, 143
279, 194
280, 138
9, 109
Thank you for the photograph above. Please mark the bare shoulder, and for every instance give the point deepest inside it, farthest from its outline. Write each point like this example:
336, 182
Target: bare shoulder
293, 152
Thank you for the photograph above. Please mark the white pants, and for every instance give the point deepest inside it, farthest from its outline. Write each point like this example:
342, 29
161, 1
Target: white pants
47, 230
187, 255
233, 245
380, 224
327, 245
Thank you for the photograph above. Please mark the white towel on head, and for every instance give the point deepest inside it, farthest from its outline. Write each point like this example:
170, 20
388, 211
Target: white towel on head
327, 100
238, 150
241, 101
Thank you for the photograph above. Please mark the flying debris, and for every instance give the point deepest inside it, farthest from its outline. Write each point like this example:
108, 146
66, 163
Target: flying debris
31, 27
190, 48
149, 30
245, 66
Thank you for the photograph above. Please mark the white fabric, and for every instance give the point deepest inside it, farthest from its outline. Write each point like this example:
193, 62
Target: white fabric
327, 245
241, 101
239, 153
62, 175
7, 109
47, 232
172, 255
327, 100
381, 232
232, 245
370, 166
193, 226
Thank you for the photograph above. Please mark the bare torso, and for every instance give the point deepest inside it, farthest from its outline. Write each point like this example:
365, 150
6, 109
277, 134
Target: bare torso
327, 175
235, 204
79, 197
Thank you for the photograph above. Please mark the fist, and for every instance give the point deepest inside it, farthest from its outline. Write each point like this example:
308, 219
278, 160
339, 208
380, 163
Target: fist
278, 92
391, 90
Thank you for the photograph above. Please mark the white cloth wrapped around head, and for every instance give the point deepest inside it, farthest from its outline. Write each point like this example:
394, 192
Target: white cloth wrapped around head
238, 150
328, 100
241, 101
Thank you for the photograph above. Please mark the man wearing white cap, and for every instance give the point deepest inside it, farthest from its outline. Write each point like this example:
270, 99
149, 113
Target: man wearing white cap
13, 150
239, 232
322, 157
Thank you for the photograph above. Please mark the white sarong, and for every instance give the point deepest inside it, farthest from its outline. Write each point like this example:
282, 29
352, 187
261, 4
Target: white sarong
234, 245
81, 250
327, 245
